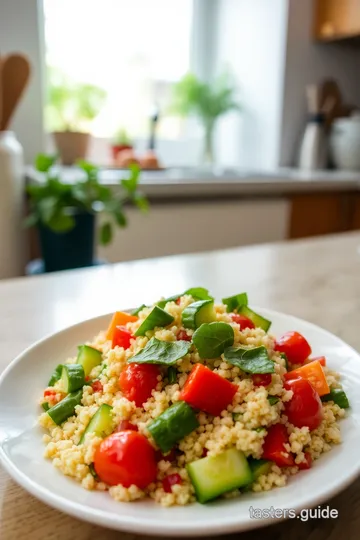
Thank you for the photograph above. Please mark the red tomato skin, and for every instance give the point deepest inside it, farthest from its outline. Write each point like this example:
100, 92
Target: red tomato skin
122, 337
261, 379
137, 381
125, 425
207, 391
126, 458
304, 465
305, 407
97, 386
242, 321
274, 449
295, 346
182, 335
170, 481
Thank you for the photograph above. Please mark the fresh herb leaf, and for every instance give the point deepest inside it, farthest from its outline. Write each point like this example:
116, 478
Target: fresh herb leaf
130, 184
338, 396
236, 301
55, 375
137, 310
44, 162
211, 339
162, 303
254, 360
106, 233
141, 202
199, 293
273, 400
172, 375
156, 317
166, 353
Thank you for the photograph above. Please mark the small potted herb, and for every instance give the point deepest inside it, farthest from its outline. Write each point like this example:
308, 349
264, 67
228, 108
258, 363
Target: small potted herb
121, 142
65, 214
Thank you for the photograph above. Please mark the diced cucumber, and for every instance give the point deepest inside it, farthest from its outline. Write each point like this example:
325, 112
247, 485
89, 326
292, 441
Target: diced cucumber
156, 317
235, 302
198, 313
257, 319
173, 425
89, 358
101, 423
213, 476
259, 467
65, 408
73, 377
45, 406
56, 374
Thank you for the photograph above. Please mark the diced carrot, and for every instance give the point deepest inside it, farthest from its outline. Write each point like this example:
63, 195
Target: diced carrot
314, 373
120, 318
320, 359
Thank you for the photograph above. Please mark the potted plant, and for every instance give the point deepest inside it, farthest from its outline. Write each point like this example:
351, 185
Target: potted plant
70, 109
207, 101
121, 142
65, 214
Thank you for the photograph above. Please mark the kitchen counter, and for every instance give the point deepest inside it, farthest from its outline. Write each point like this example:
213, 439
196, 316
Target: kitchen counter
300, 277
225, 183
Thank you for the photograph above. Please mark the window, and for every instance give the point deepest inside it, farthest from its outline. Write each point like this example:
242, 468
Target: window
133, 49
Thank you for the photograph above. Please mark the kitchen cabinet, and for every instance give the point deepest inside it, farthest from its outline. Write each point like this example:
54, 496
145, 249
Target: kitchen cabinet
336, 19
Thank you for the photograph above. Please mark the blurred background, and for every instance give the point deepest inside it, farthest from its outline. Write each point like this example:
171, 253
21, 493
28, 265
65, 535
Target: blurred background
242, 116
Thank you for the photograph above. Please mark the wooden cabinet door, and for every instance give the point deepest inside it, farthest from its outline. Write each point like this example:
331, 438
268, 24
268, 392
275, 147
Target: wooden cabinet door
337, 19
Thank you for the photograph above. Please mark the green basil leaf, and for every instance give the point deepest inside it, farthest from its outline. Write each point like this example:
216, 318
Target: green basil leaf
338, 396
273, 400
166, 353
157, 317
172, 374
233, 302
211, 339
254, 360
199, 293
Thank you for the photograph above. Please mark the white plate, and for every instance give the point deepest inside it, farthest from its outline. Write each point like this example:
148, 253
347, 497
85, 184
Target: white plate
21, 446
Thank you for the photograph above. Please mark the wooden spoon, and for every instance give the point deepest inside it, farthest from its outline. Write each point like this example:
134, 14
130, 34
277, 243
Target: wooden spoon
15, 73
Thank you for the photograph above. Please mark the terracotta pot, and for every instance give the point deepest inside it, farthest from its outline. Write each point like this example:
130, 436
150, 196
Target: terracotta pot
116, 148
71, 145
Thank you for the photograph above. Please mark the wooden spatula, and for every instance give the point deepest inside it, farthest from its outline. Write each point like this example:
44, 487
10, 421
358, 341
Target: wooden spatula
15, 73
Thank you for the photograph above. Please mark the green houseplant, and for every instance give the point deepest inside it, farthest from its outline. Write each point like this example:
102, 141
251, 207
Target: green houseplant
65, 214
70, 109
121, 141
207, 101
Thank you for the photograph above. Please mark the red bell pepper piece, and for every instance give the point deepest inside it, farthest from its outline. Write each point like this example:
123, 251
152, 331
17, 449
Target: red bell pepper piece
122, 337
306, 464
274, 449
320, 359
207, 391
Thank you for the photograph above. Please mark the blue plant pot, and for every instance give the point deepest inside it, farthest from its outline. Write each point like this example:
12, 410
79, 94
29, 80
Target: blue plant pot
73, 249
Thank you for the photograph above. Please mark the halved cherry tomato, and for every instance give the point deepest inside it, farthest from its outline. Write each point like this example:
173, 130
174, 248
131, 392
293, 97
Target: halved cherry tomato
312, 372
306, 464
242, 321
182, 335
170, 481
261, 379
97, 386
305, 407
207, 391
125, 425
295, 346
274, 448
120, 318
122, 337
137, 381
126, 458
320, 359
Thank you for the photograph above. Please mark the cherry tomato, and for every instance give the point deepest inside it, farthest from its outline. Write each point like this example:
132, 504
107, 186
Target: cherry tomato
307, 463
125, 425
261, 379
182, 335
242, 321
122, 337
126, 458
137, 381
97, 386
305, 407
170, 481
274, 448
295, 346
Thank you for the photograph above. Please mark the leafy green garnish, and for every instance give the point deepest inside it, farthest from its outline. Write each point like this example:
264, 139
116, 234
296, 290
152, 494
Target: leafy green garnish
198, 293
162, 303
172, 375
161, 352
234, 302
338, 396
211, 339
55, 375
254, 360
273, 400
156, 317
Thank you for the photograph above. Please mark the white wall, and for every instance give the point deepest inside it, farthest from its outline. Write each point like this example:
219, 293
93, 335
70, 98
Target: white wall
251, 39
310, 62
21, 30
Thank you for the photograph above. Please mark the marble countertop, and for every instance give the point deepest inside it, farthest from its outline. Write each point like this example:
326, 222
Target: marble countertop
317, 279
190, 182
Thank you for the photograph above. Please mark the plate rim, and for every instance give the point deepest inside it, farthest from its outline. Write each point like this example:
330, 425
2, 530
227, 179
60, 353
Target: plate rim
130, 524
